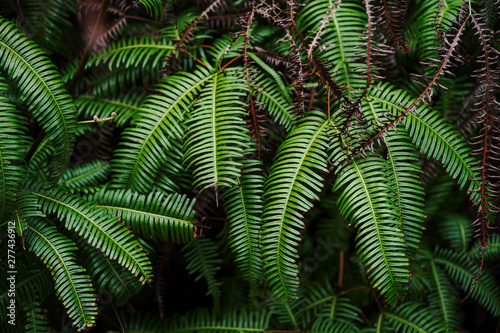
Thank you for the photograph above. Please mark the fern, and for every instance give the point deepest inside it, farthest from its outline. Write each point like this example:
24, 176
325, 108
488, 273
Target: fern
41, 87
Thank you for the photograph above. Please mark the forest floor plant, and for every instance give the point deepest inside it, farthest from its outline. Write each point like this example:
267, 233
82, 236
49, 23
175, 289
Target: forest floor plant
320, 166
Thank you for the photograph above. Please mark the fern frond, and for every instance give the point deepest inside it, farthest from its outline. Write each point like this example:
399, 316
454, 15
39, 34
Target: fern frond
368, 200
156, 216
13, 142
73, 286
295, 178
36, 321
456, 230
101, 229
492, 251
461, 269
243, 206
159, 120
201, 255
216, 138
108, 274
323, 325
153, 8
87, 174
412, 317
40, 85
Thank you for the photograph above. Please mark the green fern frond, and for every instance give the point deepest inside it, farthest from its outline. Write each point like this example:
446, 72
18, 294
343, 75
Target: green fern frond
295, 178
159, 120
36, 319
40, 85
442, 298
203, 321
492, 251
243, 206
108, 275
412, 317
101, 229
87, 174
13, 142
156, 216
216, 138
73, 286
153, 8
368, 200
202, 257
461, 269
343, 28
457, 231
274, 74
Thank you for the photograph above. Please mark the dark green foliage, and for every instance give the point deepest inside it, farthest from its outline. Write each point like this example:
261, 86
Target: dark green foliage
249, 166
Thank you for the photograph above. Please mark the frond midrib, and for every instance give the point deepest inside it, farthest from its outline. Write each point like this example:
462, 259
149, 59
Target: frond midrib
439, 290
75, 178
145, 213
403, 320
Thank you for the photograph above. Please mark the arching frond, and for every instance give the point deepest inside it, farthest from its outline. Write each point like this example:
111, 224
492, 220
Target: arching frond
87, 174
13, 142
243, 205
156, 216
368, 200
40, 85
153, 8
323, 325
296, 177
101, 229
73, 286
216, 138
108, 275
160, 118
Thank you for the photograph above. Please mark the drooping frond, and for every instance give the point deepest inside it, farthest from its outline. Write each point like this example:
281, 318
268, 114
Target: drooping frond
202, 321
13, 142
40, 85
73, 286
368, 200
243, 205
412, 317
156, 216
216, 138
295, 178
203, 260
101, 229
87, 174
108, 275
159, 120
462, 270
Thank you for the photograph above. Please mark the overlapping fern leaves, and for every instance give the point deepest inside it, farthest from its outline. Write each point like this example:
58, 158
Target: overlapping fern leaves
239, 145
